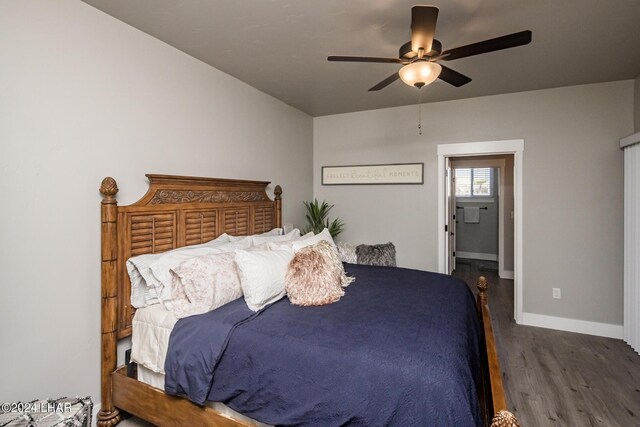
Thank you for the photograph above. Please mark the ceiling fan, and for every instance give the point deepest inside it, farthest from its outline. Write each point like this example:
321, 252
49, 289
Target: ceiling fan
421, 55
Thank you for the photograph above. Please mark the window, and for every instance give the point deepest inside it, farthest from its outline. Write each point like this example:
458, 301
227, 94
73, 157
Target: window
474, 182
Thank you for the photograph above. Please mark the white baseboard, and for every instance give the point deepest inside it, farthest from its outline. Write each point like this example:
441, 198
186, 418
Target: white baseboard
477, 255
572, 325
507, 274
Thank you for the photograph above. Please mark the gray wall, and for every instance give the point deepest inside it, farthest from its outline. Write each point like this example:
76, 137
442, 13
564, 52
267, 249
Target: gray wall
572, 173
85, 96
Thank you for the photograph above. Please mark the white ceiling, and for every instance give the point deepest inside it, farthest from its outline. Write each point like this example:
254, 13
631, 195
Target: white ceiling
281, 46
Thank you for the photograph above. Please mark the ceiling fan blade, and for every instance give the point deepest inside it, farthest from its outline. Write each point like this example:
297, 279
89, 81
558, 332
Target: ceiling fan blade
453, 77
364, 59
386, 82
423, 27
499, 43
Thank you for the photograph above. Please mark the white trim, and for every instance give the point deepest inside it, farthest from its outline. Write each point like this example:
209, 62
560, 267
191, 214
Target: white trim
442, 202
477, 255
506, 274
572, 325
515, 147
481, 148
518, 245
630, 140
501, 203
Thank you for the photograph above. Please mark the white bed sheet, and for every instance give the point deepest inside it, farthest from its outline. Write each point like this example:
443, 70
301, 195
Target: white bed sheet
152, 327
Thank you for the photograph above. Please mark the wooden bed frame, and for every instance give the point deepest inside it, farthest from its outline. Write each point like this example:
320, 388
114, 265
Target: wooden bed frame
178, 211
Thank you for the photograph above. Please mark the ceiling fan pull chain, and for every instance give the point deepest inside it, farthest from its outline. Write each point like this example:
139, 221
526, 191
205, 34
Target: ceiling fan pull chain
419, 111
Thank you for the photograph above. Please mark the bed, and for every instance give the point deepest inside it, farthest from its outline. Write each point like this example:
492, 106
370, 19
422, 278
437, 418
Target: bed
177, 211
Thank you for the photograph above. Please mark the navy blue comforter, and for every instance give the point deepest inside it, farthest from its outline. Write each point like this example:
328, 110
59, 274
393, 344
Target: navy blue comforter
400, 348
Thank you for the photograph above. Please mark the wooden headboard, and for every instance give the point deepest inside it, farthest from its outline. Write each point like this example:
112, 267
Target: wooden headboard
176, 211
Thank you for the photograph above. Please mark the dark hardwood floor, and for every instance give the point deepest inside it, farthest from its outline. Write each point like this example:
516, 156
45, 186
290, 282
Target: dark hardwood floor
555, 378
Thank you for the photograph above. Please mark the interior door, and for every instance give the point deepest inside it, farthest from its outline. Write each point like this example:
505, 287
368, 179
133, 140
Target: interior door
452, 220
450, 215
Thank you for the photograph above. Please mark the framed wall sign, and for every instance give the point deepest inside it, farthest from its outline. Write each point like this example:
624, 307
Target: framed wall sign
395, 173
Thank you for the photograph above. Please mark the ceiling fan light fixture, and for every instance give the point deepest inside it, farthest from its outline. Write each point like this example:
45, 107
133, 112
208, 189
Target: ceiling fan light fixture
420, 73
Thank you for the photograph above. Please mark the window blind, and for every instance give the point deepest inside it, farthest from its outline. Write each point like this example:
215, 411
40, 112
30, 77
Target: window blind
473, 182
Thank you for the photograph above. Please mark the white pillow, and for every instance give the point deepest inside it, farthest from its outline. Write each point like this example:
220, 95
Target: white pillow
204, 283
289, 243
274, 232
144, 286
161, 268
262, 276
142, 292
293, 234
303, 243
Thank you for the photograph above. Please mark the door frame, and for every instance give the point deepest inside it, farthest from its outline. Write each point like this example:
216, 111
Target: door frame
450, 215
515, 147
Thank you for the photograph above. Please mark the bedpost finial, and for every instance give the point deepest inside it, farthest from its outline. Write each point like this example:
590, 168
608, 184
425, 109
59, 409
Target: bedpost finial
278, 192
504, 419
482, 286
108, 188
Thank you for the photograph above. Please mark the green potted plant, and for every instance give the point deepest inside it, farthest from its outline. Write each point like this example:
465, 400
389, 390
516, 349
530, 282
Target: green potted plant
317, 220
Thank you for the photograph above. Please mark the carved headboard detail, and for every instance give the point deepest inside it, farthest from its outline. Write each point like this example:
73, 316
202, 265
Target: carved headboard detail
176, 211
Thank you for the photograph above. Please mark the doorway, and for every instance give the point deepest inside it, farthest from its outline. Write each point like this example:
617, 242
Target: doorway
506, 158
481, 212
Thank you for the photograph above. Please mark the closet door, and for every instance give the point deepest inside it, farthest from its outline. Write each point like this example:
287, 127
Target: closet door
632, 246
